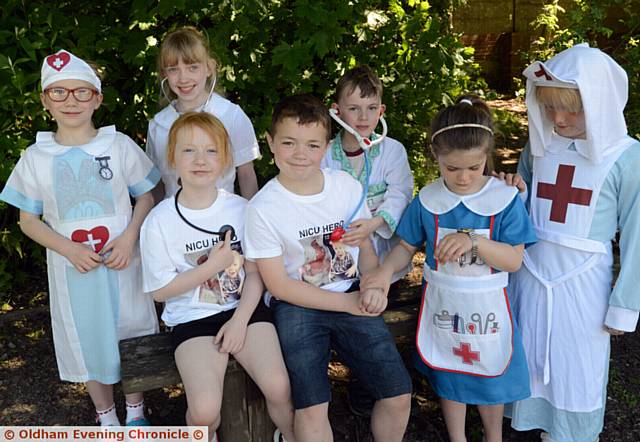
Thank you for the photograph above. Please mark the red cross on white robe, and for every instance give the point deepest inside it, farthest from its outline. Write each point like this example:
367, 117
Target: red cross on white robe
562, 194
465, 352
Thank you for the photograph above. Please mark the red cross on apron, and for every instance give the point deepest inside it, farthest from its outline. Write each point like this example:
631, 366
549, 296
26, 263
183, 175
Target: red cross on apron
562, 194
464, 351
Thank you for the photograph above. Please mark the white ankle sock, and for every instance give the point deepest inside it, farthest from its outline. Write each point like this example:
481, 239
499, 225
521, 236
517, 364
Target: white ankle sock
108, 417
135, 411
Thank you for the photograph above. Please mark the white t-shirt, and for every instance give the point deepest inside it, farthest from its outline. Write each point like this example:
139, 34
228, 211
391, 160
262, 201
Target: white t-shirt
244, 145
169, 246
298, 227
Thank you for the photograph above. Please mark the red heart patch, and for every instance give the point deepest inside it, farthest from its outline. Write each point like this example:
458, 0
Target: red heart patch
95, 238
337, 234
58, 61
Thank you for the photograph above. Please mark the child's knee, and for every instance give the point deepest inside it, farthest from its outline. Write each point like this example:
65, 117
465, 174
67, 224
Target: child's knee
278, 389
204, 411
311, 416
397, 404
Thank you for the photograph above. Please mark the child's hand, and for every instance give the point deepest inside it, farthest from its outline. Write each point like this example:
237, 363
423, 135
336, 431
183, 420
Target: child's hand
361, 229
353, 306
375, 280
452, 247
231, 336
120, 249
221, 255
373, 301
82, 257
613, 331
512, 179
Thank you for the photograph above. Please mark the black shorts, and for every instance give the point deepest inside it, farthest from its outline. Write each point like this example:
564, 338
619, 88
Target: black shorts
211, 325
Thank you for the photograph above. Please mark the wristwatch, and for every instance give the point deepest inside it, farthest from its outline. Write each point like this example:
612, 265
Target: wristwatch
473, 236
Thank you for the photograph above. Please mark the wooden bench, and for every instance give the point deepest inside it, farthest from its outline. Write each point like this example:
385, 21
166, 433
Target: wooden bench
147, 363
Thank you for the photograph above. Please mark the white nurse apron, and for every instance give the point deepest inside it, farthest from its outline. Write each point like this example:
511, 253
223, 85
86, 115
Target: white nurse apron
562, 290
465, 323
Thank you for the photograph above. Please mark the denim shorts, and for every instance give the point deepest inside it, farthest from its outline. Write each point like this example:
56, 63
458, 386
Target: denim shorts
365, 344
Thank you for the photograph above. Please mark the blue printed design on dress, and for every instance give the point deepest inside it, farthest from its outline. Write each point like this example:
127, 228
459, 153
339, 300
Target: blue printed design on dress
80, 191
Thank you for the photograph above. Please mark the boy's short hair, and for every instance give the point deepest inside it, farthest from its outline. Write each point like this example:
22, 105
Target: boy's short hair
305, 109
209, 124
560, 98
362, 77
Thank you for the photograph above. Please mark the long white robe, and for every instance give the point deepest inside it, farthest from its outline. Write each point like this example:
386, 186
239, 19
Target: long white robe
562, 295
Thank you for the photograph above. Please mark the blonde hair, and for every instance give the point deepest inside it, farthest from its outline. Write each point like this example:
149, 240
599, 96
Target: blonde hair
559, 98
189, 45
208, 123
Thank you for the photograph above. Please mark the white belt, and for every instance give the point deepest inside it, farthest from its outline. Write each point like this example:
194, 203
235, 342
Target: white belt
549, 285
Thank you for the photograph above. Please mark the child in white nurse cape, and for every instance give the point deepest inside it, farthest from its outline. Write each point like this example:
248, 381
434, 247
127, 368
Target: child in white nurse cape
581, 168
73, 189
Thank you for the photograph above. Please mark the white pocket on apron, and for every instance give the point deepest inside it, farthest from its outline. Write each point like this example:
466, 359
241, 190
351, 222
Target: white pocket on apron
465, 324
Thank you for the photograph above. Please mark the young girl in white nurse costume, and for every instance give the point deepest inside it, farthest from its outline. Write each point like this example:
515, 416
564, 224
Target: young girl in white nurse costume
73, 189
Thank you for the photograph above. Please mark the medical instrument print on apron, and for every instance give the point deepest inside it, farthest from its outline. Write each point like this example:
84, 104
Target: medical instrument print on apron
465, 323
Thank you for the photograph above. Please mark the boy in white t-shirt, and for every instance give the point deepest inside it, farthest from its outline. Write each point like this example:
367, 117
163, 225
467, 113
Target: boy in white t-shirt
292, 226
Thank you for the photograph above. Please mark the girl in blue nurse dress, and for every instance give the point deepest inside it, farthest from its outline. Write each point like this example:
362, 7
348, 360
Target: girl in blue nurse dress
73, 189
474, 228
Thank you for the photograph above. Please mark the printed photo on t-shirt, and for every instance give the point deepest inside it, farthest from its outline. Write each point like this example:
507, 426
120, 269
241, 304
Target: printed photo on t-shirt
224, 287
326, 261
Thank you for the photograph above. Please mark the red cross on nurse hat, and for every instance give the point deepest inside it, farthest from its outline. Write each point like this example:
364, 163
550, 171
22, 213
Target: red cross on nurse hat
544, 76
604, 89
63, 65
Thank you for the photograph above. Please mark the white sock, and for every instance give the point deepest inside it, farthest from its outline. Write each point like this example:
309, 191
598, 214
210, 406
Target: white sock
108, 417
135, 411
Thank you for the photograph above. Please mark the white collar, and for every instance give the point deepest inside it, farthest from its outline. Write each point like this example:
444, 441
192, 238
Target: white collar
493, 198
97, 146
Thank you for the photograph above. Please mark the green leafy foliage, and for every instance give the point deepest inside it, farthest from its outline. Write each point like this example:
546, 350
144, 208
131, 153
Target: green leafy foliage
266, 50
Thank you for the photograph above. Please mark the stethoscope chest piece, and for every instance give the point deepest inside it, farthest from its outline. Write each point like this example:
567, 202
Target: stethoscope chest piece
220, 234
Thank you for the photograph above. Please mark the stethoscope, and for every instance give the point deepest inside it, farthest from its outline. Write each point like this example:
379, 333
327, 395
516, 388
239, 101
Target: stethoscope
204, 105
365, 143
223, 230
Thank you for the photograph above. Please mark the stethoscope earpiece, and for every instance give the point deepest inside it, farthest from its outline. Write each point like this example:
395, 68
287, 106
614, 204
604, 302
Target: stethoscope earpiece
365, 143
204, 105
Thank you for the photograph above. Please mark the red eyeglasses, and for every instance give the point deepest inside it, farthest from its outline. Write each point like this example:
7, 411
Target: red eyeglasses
82, 94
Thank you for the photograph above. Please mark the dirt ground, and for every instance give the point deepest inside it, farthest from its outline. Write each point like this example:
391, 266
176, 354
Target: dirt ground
32, 394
